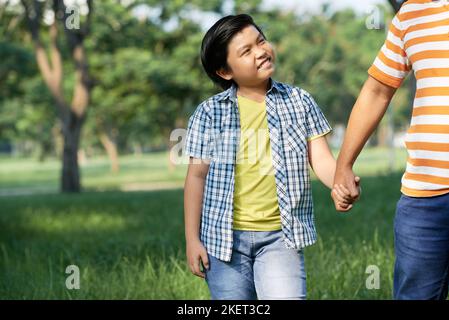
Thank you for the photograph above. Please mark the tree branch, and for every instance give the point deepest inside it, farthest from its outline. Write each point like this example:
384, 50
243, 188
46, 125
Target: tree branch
87, 25
75, 39
52, 76
32, 17
55, 52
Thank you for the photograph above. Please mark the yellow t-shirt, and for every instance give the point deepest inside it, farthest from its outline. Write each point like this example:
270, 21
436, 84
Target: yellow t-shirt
256, 205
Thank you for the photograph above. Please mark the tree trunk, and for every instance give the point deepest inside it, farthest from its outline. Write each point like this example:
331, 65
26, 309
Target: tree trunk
70, 180
58, 140
44, 150
111, 150
137, 149
382, 134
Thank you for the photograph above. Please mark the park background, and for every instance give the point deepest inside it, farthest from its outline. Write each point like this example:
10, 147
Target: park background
90, 92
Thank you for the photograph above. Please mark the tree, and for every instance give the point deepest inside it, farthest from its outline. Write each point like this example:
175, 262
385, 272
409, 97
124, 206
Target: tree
147, 77
72, 115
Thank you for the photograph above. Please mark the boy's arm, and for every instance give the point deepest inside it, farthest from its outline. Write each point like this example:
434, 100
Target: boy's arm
323, 164
321, 160
193, 199
368, 110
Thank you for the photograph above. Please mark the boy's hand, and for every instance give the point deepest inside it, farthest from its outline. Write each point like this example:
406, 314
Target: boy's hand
342, 196
197, 255
345, 176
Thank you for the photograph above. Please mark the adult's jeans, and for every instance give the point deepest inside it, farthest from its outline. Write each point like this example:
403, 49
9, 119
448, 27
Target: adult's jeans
421, 231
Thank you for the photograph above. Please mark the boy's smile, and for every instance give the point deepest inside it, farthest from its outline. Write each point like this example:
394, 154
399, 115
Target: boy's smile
265, 64
250, 59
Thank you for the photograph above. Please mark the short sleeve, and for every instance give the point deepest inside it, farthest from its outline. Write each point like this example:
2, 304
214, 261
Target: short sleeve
391, 65
316, 123
198, 139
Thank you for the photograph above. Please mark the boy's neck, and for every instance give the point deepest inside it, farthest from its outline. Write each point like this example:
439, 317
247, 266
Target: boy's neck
256, 93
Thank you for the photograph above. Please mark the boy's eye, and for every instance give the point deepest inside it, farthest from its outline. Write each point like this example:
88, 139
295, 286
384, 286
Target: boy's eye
245, 52
262, 40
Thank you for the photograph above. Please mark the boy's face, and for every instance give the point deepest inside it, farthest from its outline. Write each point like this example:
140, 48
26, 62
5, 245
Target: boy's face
250, 58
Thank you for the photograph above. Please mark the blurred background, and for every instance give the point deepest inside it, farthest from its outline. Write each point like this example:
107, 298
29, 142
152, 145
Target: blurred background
91, 93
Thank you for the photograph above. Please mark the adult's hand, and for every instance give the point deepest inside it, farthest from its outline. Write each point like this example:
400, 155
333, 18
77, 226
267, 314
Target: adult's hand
346, 178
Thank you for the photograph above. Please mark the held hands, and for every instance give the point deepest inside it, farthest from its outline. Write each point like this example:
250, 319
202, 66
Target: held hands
197, 257
346, 190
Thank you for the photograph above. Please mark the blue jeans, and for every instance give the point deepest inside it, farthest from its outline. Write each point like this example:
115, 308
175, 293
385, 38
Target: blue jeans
261, 267
421, 231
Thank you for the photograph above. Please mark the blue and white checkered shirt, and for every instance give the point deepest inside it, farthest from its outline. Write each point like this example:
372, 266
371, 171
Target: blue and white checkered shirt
213, 133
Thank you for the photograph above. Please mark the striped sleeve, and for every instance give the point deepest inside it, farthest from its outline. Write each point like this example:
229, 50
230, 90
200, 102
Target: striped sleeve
391, 65
198, 140
316, 123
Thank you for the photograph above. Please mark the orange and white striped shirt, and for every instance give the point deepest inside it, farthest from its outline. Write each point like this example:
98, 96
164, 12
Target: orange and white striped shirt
418, 39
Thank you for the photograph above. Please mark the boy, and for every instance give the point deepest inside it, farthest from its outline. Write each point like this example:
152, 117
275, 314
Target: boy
417, 39
248, 213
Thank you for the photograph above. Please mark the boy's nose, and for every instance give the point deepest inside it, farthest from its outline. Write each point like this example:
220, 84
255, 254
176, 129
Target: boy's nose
261, 54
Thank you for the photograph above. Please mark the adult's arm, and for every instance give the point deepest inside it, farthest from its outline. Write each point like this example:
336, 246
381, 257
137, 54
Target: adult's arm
366, 114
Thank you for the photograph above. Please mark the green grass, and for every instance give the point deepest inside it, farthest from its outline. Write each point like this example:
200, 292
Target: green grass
28, 175
127, 245
130, 245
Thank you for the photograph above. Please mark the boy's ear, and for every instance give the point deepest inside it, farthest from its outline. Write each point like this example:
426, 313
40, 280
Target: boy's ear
227, 75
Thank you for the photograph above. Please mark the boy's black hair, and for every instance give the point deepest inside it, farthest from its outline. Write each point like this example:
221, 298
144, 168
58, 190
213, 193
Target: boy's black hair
214, 48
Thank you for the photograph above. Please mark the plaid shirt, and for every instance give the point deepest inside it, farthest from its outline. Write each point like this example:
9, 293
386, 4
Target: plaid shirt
213, 133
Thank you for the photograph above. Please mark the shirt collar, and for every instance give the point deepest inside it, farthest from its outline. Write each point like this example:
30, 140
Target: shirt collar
231, 93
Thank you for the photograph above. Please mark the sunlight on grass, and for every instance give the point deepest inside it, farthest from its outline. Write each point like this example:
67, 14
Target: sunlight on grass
144, 172
31, 176
71, 220
130, 245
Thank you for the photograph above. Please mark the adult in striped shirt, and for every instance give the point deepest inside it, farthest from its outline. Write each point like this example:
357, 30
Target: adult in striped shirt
418, 40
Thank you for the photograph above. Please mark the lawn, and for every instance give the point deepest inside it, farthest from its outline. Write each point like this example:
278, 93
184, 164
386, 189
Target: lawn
130, 245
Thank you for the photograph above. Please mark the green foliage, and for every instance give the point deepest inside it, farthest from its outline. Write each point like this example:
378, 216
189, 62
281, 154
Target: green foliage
149, 79
25, 115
